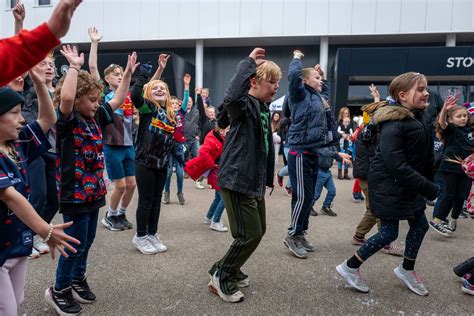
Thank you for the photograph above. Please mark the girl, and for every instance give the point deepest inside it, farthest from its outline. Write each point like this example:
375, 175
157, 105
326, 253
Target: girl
80, 168
276, 117
345, 130
454, 130
398, 180
154, 146
208, 161
19, 145
179, 111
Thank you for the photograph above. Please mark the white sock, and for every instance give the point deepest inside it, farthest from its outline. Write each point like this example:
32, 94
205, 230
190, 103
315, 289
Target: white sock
111, 212
121, 210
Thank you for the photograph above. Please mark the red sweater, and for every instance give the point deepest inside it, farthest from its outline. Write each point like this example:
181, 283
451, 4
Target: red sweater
20, 53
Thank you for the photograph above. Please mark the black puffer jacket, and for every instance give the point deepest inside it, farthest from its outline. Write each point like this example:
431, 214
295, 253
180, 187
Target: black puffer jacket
403, 162
365, 152
244, 167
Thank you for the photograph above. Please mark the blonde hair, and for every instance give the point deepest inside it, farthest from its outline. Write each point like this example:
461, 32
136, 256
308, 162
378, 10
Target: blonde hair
50, 55
147, 94
306, 72
111, 68
268, 71
341, 110
85, 84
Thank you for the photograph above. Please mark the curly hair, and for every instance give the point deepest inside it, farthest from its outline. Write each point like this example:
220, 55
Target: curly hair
85, 84
440, 133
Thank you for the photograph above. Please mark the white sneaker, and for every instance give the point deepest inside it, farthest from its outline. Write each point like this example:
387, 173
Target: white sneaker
218, 227
34, 254
144, 245
198, 185
214, 287
412, 280
352, 276
206, 220
39, 245
157, 243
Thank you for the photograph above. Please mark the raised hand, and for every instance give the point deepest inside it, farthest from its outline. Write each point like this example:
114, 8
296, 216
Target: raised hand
187, 79
37, 75
297, 54
374, 92
163, 60
258, 54
59, 240
198, 90
319, 70
450, 102
73, 57
19, 12
94, 35
132, 63
345, 158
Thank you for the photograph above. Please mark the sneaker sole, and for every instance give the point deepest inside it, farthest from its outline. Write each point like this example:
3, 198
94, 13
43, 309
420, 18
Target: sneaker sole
348, 280
400, 276
108, 226
212, 288
439, 232
293, 252
78, 298
142, 251
218, 230
467, 291
49, 299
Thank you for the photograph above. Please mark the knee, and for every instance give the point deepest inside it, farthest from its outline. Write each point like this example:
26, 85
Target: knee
120, 188
388, 236
130, 187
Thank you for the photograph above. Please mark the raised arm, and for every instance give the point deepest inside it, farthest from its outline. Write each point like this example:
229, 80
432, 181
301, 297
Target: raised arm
374, 92
95, 39
200, 104
68, 90
162, 61
449, 103
187, 82
122, 89
19, 14
296, 88
27, 214
46, 113
136, 93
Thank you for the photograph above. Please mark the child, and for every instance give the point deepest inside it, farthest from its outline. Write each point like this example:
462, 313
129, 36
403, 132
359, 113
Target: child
455, 131
325, 161
246, 168
465, 270
343, 113
80, 168
208, 162
154, 146
345, 143
276, 118
307, 133
398, 180
19, 145
180, 112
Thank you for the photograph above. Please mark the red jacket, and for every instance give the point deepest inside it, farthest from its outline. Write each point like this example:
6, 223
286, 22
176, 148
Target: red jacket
209, 152
20, 53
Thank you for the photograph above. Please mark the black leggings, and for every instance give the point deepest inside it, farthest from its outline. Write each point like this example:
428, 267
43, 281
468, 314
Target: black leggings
456, 189
150, 184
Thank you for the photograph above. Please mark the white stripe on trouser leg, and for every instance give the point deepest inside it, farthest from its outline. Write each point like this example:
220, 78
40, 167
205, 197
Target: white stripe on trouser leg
299, 193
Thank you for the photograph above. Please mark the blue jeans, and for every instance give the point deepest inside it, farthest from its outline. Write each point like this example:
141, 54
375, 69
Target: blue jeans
216, 208
325, 180
192, 147
74, 267
179, 174
339, 163
303, 174
389, 232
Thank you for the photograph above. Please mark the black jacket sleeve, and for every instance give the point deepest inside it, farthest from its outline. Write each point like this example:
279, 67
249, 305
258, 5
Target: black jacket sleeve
137, 89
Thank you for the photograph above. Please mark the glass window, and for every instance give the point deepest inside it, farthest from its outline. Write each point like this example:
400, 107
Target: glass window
11, 4
454, 90
44, 2
471, 93
360, 94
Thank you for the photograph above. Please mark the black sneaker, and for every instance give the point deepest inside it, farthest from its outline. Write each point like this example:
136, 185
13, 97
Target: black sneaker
81, 291
125, 223
327, 211
112, 223
440, 228
313, 212
450, 225
62, 301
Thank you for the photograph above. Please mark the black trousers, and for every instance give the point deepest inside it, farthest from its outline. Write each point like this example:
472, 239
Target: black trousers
456, 187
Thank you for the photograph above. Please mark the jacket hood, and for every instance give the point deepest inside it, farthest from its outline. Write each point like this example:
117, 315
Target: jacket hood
392, 113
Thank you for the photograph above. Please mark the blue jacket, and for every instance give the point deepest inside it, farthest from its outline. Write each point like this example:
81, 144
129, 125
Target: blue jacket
326, 156
309, 128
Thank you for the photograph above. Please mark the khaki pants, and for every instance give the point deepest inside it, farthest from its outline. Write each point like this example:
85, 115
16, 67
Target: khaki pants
368, 221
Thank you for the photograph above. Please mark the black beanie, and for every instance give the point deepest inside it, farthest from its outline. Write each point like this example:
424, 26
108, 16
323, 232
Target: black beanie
9, 99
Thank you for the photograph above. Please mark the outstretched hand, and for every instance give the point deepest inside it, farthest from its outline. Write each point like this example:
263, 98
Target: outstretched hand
73, 57
298, 54
198, 90
345, 158
19, 12
319, 70
258, 54
132, 63
37, 75
163, 60
450, 103
59, 240
94, 35
187, 79
374, 92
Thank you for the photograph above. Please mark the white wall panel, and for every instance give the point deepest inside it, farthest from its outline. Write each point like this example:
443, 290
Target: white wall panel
209, 18
364, 16
340, 16
188, 19
78, 29
388, 16
229, 18
95, 16
130, 25
294, 17
462, 17
317, 17
168, 19
438, 15
250, 18
413, 16
113, 20
272, 17
149, 21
